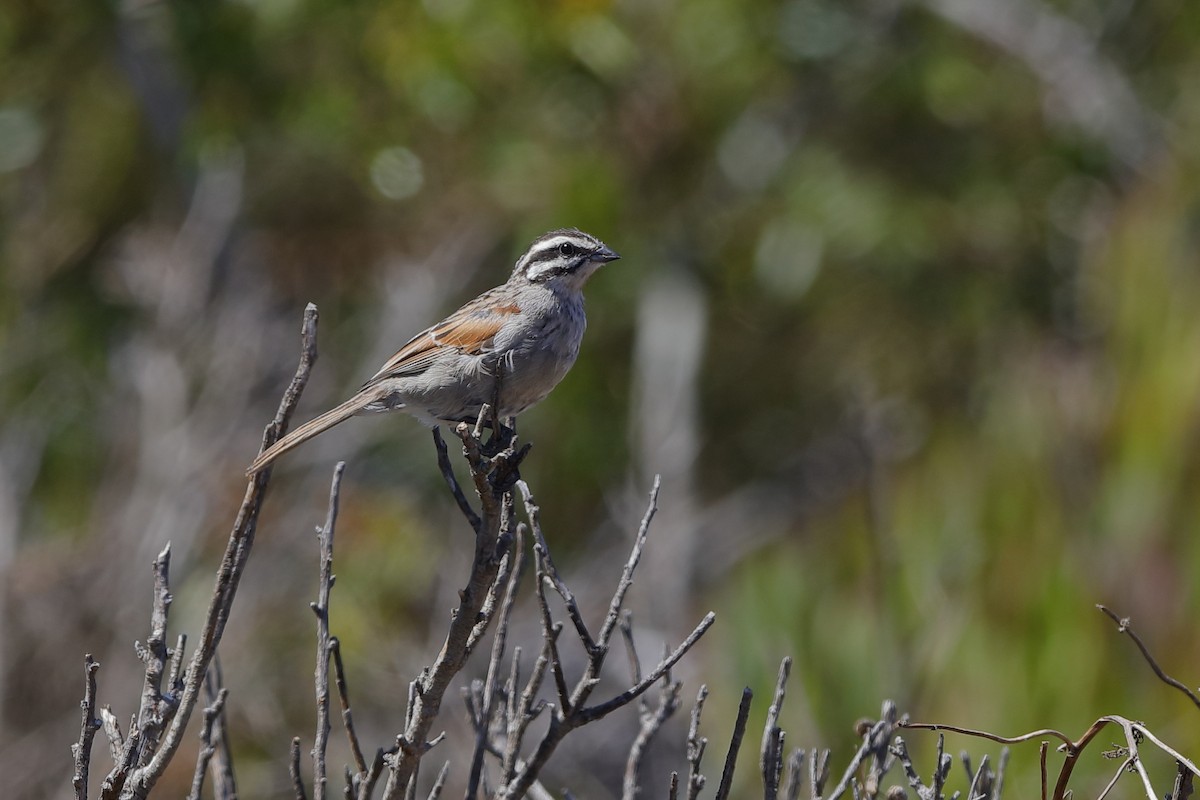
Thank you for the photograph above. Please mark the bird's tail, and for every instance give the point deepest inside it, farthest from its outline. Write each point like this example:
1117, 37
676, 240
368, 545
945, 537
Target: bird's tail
311, 428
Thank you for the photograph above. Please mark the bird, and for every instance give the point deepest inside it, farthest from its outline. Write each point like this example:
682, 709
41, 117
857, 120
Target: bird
525, 334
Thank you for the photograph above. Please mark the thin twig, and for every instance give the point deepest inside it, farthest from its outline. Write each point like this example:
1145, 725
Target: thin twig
735, 743
435, 791
175, 675
550, 629
207, 748
339, 673
818, 772
510, 574
1182, 790
1004, 756
1133, 728
156, 707
575, 713
795, 775
1124, 626
320, 608
88, 725
367, 787
986, 735
592, 713
626, 581
500, 552
770, 757
237, 553
550, 571
635, 664
941, 766
874, 740
526, 710
224, 784
695, 747
651, 722
443, 459
979, 778
112, 732
1120, 771
1042, 762
294, 770
114, 782
900, 749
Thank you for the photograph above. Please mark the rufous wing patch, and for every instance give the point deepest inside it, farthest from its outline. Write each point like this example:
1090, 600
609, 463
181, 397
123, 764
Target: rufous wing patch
471, 335
470, 330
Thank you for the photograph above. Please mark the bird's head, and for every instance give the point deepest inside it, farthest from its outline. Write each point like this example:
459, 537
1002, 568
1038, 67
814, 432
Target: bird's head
564, 258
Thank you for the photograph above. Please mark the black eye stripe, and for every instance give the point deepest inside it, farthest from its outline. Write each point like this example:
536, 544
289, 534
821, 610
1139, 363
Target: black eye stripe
550, 253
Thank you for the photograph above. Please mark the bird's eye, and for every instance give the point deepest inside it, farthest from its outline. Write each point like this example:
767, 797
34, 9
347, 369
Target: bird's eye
567, 249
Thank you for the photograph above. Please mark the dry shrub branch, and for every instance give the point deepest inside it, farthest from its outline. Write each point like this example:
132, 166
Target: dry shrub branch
519, 712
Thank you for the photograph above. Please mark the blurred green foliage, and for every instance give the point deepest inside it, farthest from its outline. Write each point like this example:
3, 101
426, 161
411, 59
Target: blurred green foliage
973, 254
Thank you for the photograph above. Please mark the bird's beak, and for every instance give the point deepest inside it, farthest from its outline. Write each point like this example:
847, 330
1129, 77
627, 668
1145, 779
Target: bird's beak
604, 254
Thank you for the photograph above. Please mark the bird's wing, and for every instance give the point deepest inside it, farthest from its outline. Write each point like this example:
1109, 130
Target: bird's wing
470, 330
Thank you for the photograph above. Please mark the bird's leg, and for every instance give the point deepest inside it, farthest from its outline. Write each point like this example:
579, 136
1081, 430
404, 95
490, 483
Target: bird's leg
498, 441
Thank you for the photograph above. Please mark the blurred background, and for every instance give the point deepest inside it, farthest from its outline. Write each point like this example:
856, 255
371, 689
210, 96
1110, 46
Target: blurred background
908, 319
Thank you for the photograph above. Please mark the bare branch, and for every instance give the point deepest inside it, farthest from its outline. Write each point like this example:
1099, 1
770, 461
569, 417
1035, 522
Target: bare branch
550, 629
1182, 790
297, 783
1120, 771
900, 749
175, 675
526, 711
695, 747
367, 787
986, 735
1004, 755
941, 766
466, 624
795, 775
651, 721
818, 772
443, 459
114, 782
574, 713
1124, 626
224, 785
1073, 749
980, 780
549, 572
510, 573
88, 725
436, 790
156, 708
325, 536
339, 671
600, 710
112, 732
771, 751
635, 555
207, 748
237, 553
735, 743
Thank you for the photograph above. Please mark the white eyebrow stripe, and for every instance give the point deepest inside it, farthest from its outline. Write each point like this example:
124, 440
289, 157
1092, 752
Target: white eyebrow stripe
553, 244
